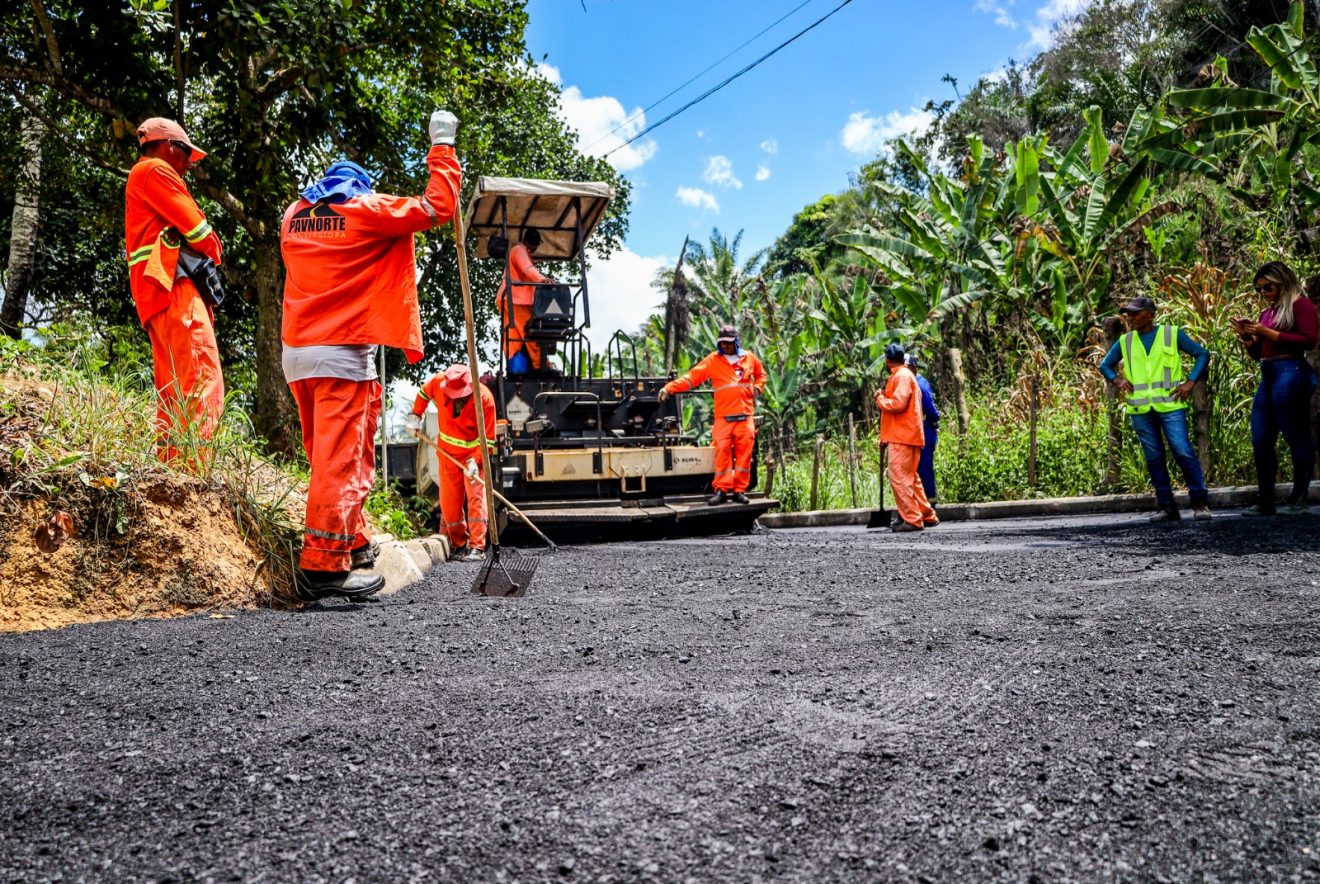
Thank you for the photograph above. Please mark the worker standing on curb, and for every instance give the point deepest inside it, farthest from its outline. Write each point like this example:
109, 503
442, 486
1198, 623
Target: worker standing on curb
452, 393
1156, 401
160, 217
351, 285
736, 376
901, 432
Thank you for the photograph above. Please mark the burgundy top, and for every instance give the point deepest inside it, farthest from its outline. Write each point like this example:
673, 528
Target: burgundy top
1292, 344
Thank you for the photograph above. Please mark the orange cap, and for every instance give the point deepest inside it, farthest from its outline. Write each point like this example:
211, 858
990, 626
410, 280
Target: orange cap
458, 382
161, 129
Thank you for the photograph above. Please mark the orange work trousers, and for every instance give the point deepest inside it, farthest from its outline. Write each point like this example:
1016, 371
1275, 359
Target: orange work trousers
734, 441
463, 520
522, 314
339, 434
909, 495
190, 389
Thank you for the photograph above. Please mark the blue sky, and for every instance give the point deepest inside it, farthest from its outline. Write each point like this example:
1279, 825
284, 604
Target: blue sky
779, 137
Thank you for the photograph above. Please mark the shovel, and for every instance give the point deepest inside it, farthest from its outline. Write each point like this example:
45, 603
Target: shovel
880, 517
497, 578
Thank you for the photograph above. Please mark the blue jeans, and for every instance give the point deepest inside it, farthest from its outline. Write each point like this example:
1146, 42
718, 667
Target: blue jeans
1283, 405
1154, 428
926, 466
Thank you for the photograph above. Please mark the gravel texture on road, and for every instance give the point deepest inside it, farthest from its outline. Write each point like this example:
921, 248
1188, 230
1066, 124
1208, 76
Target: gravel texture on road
1043, 700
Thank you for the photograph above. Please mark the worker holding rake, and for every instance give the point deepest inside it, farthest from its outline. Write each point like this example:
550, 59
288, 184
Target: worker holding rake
351, 286
462, 493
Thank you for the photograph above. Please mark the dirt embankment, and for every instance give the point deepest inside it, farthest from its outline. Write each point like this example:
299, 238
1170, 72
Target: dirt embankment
145, 541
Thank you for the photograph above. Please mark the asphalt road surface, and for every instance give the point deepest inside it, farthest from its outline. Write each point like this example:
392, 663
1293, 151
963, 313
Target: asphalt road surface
1042, 700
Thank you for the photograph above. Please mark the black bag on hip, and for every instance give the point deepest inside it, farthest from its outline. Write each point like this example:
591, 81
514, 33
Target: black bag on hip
203, 272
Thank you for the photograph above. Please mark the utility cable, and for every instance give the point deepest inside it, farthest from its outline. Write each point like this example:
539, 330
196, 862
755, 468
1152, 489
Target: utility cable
707, 69
716, 88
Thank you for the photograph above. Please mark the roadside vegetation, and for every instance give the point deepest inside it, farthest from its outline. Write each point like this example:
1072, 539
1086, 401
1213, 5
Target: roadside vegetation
1144, 154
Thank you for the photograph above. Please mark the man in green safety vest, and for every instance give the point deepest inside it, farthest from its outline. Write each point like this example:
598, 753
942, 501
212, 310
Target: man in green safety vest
1157, 400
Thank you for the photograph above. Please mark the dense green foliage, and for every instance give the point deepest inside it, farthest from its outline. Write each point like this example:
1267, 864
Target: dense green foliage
1003, 237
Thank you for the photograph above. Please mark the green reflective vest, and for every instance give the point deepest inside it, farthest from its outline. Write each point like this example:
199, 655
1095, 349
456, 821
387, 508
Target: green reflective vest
1155, 373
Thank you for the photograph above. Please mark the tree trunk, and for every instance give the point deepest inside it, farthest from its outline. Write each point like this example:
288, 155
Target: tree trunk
959, 389
276, 417
23, 232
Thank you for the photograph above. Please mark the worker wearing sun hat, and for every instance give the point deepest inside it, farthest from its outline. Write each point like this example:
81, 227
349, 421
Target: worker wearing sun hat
452, 393
159, 216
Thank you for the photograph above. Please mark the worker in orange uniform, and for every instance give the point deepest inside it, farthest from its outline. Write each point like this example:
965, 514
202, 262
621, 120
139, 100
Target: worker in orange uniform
736, 376
351, 285
452, 393
902, 433
524, 271
159, 216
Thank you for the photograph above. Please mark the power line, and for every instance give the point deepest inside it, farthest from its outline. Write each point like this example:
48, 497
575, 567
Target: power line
667, 95
716, 88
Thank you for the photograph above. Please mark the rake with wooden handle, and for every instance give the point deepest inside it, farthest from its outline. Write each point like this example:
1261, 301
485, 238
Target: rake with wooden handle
496, 578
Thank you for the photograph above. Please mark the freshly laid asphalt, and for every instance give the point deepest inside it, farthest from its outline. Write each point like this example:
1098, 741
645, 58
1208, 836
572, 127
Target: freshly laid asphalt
1065, 699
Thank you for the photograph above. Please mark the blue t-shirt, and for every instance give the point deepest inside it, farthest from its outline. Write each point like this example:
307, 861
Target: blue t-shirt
1109, 365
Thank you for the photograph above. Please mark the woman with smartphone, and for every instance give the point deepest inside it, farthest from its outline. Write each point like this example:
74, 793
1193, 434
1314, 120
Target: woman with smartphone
1279, 339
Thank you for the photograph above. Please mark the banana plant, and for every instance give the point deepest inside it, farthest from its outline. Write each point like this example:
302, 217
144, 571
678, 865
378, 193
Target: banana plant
1254, 137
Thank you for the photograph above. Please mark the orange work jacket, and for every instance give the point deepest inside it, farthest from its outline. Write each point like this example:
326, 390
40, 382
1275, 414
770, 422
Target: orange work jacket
350, 268
900, 409
524, 270
159, 213
458, 433
735, 384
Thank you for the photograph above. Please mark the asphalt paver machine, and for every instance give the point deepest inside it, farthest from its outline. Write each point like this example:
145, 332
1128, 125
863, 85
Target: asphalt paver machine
587, 458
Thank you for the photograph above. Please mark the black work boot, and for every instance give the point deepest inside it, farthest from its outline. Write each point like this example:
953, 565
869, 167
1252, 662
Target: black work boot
365, 556
716, 499
739, 497
1166, 514
906, 527
314, 585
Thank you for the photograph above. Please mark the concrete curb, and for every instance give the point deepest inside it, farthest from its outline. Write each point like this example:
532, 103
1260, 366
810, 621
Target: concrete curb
405, 562
1016, 509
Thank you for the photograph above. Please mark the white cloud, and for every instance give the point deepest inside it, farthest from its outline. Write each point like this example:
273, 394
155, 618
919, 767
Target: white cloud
701, 133
719, 170
770, 146
865, 134
999, 8
550, 72
762, 172
1048, 15
596, 119
621, 294
697, 198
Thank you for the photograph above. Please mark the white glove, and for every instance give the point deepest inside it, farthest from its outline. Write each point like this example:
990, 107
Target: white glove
443, 127
662, 395
471, 468
413, 424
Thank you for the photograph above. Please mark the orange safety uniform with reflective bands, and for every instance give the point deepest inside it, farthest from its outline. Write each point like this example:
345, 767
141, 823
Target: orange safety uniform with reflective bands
901, 429
457, 437
524, 296
350, 278
735, 385
351, 268
159, 214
